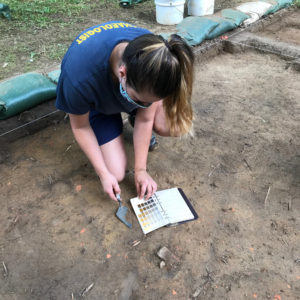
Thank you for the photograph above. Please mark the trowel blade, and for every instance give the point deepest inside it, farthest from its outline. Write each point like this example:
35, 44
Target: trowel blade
121, 215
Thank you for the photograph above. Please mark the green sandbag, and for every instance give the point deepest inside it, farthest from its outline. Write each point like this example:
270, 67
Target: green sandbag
279, 5
235, 16
22, 92
195, 29
54, 76
166, 35
223, 26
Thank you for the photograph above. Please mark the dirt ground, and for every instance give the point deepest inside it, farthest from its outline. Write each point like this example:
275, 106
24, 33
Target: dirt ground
287, 29
241, 171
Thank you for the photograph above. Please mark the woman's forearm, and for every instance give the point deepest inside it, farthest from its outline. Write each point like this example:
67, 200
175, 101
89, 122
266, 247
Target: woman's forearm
141, 139
145, 184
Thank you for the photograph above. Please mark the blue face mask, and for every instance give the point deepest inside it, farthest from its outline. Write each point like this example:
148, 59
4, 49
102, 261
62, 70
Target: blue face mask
127, 97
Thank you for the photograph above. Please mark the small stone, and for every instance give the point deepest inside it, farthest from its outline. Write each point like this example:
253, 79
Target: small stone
162, 264
171, 260
197, 292
91, 219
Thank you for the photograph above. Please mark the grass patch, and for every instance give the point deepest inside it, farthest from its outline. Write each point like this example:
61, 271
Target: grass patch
44, 13
10, 59
297, 3
40, 31
56, 52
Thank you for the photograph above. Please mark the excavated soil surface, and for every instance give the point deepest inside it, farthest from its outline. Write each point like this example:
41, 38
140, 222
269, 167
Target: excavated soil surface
60, 238
285, 29
240, 170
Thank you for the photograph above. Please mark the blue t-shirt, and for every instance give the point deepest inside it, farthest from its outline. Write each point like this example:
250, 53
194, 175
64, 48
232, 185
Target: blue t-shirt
85, 82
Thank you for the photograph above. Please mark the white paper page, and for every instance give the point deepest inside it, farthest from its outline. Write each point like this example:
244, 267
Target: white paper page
175, 206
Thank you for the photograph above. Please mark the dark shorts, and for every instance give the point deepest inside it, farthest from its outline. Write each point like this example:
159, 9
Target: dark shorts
106, 127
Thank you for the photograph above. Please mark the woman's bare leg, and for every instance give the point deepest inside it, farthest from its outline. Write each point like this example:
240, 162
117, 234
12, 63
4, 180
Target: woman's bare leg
160, 125
114, 156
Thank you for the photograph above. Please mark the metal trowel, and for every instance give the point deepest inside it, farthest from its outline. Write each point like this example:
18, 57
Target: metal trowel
122, 211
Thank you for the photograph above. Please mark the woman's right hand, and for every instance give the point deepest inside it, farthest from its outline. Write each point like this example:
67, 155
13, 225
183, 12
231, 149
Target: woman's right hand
110, 185
145, 185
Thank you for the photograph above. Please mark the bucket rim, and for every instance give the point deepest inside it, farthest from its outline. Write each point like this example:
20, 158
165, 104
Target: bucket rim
170, 3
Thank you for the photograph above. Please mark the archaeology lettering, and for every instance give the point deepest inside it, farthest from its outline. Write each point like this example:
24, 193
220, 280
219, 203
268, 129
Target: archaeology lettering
98, 29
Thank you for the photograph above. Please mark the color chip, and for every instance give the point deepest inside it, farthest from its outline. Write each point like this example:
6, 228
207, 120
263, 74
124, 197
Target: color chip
150, 214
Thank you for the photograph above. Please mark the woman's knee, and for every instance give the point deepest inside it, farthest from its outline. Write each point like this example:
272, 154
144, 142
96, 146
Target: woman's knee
161, 128
160, 124
114, 156
118, 169
120, 174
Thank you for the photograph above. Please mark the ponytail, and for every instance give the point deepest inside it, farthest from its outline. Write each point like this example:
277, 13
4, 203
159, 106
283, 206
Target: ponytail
178, 106
164, 68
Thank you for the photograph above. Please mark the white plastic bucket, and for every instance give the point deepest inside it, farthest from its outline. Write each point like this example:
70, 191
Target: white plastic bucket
169, 12
200, 7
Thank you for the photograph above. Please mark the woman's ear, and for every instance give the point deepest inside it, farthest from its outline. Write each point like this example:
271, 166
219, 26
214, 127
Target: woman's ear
122, 72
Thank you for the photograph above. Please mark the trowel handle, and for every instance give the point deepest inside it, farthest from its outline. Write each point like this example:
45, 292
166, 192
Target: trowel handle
118, 196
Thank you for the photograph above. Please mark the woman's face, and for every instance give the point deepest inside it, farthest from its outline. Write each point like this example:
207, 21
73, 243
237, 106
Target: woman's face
142, 99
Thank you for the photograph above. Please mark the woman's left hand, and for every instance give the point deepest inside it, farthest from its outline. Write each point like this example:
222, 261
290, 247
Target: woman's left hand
145, 185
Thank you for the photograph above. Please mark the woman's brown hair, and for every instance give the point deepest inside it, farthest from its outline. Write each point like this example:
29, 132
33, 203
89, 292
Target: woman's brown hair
164, 68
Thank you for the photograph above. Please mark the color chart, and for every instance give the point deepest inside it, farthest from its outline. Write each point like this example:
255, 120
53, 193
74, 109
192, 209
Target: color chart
165, 207
150, 214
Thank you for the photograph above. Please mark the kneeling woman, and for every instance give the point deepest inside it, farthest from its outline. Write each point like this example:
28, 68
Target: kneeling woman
116, 67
